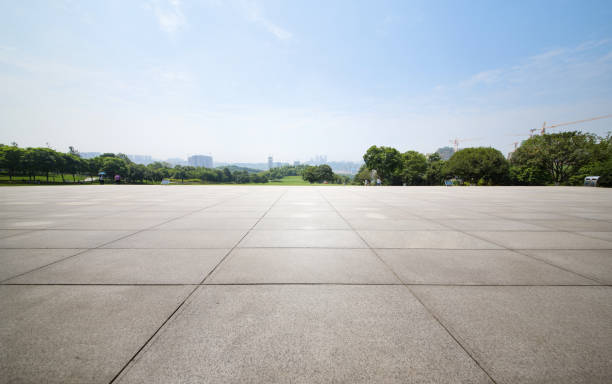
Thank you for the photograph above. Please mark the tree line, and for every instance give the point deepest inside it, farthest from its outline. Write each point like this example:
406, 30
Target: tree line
46, 162
564, 158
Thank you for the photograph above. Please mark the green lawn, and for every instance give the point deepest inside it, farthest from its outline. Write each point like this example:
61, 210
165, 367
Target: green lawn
291, 180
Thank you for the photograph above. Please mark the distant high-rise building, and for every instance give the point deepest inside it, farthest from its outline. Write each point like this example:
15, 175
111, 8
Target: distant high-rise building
200, 161
141, 159
319, 160
270, 162
296, 163
89, 155
445, 152
176, 161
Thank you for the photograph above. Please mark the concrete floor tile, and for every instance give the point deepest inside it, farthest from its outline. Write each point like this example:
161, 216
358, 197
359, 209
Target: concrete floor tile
208, 223
16, 261
66, 334
129, 266
176, 239
396, 224
434, 266
332, 222
62, 239
300, 265
530, 334
492, 225
595, 264
304, 334
543, 240
302, 238
424, 239
599, 235
4, 233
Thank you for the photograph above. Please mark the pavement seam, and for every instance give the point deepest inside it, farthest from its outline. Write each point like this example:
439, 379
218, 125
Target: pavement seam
110, 242
426, 308
497, 244
150, 341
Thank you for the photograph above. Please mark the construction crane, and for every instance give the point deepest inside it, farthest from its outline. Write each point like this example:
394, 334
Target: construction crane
456, 142
544, 127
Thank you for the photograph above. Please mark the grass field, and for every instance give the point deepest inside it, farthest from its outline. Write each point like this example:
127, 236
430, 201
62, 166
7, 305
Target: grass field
291, 180
287, 180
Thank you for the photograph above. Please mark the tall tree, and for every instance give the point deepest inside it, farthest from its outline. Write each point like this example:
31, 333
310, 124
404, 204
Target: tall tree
414, 168
386, 161
10, 158
479, 165
558, 155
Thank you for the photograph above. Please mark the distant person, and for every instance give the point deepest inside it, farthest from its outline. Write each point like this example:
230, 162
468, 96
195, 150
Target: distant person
378, 182
366, 182
117, 179
101, 179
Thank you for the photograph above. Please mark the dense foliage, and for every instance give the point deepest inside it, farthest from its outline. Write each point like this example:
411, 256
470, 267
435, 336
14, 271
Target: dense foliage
32, 162
564, 158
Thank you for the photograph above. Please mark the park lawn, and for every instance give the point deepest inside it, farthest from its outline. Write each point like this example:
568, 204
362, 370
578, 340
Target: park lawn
53, 177
291, 180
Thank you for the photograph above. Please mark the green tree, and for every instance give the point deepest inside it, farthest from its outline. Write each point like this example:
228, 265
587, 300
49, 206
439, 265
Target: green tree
435, 169
72, 164
558, 155
114, 166
324, 173
387, 162
479, 165
43, 160
414, 168
10, 158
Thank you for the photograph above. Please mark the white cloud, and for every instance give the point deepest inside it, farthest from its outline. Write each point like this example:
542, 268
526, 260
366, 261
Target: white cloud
169, 14
254, 14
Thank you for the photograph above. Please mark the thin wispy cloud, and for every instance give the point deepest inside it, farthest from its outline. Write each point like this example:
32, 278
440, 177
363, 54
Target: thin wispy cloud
169, 14
254, 14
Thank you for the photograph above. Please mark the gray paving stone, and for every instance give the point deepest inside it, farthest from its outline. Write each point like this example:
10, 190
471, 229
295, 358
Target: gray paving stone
300, 265
543, 240
424, 239
168, 239
305, 238
530, 334
66, 334
129, 266
599, 235
434, 266
61, 239
595, 264
4, 233
304, 334
493, 225
16, 261
208, 223
574, 225
396, 224
278, 223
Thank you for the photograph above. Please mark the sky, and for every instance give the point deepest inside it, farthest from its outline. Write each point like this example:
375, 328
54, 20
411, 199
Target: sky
243, 80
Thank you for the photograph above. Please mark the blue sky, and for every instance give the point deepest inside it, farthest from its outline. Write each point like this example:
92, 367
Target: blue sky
246, 79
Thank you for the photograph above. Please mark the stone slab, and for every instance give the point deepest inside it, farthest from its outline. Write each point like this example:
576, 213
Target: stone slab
301, 265
17, 261
302, 238
304, 334
424, 239
67, 334
129, 266
434, 266
171, 239
530, 334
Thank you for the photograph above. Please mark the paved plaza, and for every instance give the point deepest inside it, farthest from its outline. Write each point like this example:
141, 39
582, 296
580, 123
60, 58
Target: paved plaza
259, 284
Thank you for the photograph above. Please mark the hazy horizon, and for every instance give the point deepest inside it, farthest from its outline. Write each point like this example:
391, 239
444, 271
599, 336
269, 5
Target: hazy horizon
243, 80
